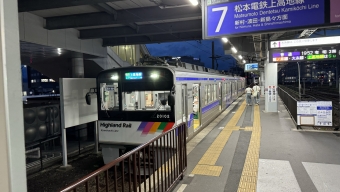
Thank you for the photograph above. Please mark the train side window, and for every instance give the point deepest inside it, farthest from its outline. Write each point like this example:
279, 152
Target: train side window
146, 100
206, 94
209, 93
109, 95
215, 93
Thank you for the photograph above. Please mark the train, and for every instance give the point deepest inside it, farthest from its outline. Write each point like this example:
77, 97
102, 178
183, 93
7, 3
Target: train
138, 103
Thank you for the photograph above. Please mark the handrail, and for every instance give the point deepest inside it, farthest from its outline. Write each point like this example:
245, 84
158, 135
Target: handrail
288, 94
170, 144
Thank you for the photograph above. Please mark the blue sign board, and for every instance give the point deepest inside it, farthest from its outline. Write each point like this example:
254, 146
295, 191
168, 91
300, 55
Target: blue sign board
249, 16
251, 67
134, 75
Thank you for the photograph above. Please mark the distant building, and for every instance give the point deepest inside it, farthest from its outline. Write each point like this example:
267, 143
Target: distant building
321, 72
36, 83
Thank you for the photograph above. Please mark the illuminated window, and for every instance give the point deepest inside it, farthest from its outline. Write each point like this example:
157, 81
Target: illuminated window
51, 80
44, 80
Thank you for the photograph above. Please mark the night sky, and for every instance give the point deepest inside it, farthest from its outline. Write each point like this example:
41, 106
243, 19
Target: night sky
198, 49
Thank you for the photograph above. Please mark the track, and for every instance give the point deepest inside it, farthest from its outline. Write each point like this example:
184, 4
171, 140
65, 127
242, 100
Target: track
317, 94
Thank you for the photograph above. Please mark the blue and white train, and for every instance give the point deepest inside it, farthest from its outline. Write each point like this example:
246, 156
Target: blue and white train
136, 104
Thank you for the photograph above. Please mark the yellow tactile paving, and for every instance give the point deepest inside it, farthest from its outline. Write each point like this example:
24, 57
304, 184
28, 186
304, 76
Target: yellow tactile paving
207, 162
207, 170
249, 174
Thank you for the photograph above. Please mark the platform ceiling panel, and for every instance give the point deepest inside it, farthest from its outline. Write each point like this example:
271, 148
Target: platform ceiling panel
131, 4
65, 11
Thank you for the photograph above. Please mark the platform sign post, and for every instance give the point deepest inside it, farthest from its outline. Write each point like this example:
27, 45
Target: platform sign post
314, 113
225, 17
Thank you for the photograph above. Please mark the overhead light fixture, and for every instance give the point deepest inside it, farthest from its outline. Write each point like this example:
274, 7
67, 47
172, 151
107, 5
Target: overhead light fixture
224, 39
244, 61
233, 49
194, 2
240, 56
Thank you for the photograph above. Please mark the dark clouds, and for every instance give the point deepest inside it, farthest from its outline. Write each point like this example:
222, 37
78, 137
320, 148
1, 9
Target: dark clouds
199, 49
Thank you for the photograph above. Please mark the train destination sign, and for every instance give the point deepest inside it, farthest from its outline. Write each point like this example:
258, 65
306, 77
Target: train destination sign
133, 75
312, 54
249, 16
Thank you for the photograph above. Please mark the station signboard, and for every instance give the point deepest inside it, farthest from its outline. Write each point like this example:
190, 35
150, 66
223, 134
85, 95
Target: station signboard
303, 54
223, 17
314, 113
335, 11
333, 40
251, 67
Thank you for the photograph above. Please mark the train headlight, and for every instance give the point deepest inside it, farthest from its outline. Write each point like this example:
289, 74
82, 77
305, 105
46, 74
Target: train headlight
114, 77
154, 76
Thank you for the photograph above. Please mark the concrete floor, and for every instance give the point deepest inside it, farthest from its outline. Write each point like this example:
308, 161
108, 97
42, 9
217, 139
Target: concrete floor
288, 160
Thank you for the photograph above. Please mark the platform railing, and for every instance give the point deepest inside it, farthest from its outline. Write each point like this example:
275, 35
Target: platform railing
290, 102
153, 166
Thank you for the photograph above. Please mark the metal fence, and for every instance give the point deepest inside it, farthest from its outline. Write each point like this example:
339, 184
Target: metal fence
290, 103
153, 166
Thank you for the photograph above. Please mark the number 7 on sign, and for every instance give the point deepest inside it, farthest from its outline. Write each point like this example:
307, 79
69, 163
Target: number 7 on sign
224, 9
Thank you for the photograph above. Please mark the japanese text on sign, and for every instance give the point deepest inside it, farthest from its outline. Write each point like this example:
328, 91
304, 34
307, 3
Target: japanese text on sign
259, 15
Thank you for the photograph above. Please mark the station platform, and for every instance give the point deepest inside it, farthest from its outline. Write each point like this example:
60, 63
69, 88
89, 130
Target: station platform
246, 149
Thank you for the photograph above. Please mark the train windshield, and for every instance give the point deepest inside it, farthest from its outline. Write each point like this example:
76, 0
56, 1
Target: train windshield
109, 96
146, 100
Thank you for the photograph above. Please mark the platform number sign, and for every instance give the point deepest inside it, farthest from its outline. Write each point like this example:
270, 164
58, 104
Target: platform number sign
224, 13
225, 17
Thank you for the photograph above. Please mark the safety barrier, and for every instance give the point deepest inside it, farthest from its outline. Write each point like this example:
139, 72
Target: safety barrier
153, 166
290, 103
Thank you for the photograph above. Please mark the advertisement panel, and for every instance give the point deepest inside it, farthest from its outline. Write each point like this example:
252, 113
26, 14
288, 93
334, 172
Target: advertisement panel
249, 16
132, 132
335, 11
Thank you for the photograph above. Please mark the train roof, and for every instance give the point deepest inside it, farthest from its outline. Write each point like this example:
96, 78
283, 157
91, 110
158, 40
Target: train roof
183, 67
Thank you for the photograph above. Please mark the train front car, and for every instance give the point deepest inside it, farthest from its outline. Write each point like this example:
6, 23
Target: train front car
135, 104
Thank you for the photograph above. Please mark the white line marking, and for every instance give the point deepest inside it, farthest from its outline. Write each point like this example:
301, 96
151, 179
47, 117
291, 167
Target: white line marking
276, 175
191, 175
221, 128
181, 189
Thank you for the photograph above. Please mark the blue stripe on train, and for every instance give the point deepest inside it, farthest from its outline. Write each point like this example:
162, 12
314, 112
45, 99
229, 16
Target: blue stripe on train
210, 106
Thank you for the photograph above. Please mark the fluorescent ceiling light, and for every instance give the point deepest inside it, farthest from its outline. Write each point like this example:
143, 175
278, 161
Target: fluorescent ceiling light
240, 56
224, 39
194, 2
233, 49
244, 61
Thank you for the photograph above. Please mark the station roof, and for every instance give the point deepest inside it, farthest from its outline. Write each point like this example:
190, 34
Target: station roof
121, 22
124, 22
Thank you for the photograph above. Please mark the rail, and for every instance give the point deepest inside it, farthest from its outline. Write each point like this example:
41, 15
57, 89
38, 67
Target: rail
289, 102
153, 166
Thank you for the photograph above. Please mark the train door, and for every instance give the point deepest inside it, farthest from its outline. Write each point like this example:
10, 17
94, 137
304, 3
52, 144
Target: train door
220, 94
184, 109
196, 91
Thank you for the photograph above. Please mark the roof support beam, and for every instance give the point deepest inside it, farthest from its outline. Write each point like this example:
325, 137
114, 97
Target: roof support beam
106, 8
123, 17
150, 29
153, 39
34, 5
